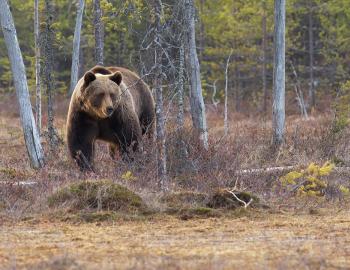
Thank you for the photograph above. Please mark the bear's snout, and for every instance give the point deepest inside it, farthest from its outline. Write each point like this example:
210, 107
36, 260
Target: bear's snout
109, 111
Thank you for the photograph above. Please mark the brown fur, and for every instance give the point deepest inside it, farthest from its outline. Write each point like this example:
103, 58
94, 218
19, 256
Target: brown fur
99, 92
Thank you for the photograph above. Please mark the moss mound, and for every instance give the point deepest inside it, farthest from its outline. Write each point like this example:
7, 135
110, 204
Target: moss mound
97, 195
224, 199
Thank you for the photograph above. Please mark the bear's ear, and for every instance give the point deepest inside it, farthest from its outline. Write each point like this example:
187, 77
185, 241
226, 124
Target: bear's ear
89, 77
116, 77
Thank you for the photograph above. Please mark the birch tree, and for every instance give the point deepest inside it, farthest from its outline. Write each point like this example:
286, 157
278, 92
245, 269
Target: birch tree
37, 67
278, 115
76, 46
99, 33
160, 123
196, 97
30, 131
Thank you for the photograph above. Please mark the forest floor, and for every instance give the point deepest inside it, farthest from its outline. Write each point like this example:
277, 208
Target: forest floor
289, 233
255, 241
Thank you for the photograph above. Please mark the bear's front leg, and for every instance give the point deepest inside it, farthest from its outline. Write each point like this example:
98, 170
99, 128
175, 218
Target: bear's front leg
81, 138
83, 156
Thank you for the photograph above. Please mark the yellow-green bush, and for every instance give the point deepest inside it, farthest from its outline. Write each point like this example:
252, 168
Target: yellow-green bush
310, 181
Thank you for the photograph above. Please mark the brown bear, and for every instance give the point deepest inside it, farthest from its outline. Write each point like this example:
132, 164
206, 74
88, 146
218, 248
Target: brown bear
111, 104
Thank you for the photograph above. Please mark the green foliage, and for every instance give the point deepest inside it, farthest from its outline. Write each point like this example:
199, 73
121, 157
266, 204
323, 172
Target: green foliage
231, 25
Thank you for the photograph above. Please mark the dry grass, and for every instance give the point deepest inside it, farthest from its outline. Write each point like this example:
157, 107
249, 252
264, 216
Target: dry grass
256, 241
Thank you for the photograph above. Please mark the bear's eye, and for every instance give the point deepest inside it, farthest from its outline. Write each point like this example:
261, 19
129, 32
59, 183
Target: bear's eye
98, 100
113, 96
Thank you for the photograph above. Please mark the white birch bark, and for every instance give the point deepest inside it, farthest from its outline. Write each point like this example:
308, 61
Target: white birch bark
278, 114
99, 33
38, 109
196, 97
226, 95
76, 47
31, 135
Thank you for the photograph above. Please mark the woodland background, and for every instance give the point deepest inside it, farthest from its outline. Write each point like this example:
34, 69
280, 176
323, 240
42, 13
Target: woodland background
233, 200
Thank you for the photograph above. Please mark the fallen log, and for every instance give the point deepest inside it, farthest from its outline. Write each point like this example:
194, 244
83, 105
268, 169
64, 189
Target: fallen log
18, 183
282, 169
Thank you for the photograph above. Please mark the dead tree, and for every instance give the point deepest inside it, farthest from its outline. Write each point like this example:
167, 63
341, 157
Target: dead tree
160, 123
279, 73
31, 135
76, 46
196, 97
37, 67
99, 33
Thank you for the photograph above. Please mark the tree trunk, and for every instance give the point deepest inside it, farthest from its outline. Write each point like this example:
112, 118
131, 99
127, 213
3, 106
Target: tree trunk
31, 135
48, 70
76, 47
196, 97
312, 98
278, 115
264, 51
160, 123
37, 67
99, 33
226, 95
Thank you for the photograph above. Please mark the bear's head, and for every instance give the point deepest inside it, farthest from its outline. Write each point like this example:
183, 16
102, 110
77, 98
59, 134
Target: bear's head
101, 93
